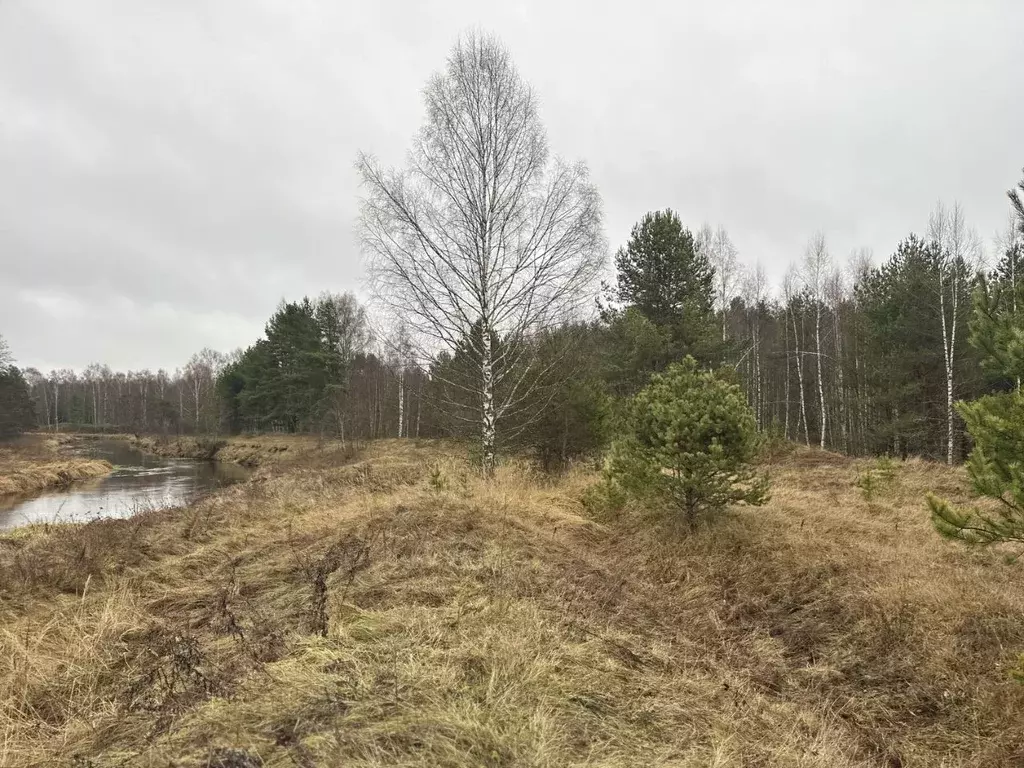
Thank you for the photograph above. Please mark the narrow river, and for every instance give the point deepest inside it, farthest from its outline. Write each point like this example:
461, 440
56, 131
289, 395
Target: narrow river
138, 483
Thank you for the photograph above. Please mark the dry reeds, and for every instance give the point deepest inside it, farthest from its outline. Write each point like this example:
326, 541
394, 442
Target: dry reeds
397, 610
36, 465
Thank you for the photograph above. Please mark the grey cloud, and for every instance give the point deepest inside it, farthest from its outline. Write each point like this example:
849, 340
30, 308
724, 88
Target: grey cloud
169, 171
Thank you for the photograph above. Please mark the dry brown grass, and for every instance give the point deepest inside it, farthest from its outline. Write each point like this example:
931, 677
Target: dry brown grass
35, 463
396, 610
249, 451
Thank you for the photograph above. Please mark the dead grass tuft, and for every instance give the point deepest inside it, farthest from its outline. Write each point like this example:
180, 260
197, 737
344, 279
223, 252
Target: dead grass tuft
396, 610
35, 463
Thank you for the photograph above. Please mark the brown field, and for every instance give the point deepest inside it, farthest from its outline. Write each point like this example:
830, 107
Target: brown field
394, 609
36, 462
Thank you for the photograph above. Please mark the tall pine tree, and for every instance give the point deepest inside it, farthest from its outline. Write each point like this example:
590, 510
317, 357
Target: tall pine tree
665, 286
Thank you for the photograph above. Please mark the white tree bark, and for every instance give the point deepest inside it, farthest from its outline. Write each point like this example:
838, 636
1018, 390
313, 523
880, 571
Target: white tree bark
789, 368
836, 291
717, 247
483, 237
790, 297
401, 402
817, 266
957, 254
859, 267
800, 381
755, 287
488, 414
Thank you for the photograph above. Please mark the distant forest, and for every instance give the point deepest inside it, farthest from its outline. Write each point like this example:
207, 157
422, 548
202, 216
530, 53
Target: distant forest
852, 356
485, 254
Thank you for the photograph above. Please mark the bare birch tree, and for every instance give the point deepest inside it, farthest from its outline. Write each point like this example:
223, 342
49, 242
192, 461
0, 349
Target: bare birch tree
958, 251
755, 296
347, 333
482, 231
200, 376
399, 353
859, 267
6, 358
792, 299
816, 270
721, 253
835, 290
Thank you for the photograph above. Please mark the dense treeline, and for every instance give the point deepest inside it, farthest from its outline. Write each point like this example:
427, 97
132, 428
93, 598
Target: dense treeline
855, 357
486, 250
318, 369
16, 411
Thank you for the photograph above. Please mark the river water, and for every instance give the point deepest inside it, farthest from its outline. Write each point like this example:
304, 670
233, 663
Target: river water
139, 482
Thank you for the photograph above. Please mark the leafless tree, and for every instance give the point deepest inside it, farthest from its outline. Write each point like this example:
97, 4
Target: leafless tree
789, 293
200, 375
817, 268
348, 333
836, 294
401, 358
959, 254
755, 295
6, 358
483, 236
37, 383
858, 269
717, 247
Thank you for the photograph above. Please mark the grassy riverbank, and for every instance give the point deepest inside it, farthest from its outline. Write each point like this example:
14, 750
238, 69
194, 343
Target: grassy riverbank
390, 608
37, 462
245, 450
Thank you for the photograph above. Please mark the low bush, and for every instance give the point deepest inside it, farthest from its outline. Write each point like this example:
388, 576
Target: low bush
688, 439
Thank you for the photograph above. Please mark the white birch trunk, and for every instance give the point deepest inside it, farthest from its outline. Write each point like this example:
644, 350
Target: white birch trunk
800, 383
46, 404
948, 340
195, 397
401, 402
843, 439
821, 381
789, 376
487, 406
758, 398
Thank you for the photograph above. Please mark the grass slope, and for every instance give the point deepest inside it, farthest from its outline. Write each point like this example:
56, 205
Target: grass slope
244, 450
396, 610
35, 463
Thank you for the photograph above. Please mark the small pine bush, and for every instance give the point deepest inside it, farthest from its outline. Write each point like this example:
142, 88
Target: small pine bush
688, 440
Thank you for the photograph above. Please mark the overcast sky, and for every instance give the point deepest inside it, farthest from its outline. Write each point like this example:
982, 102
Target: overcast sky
169, 170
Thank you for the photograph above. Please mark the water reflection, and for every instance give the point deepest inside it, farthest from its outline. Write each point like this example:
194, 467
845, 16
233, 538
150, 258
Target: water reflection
138, 483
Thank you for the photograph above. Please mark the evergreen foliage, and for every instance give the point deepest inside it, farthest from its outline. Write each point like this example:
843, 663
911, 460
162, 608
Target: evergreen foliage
688, 439
666, 279
906, 377
288, 380
17, 411
996, 425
